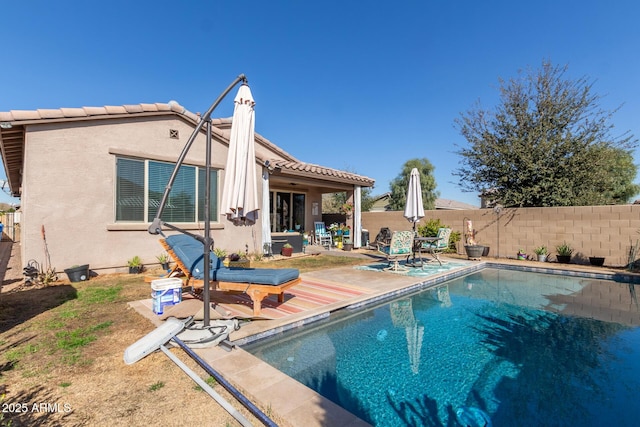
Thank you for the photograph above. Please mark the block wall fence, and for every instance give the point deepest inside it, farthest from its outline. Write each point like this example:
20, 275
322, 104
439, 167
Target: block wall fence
602, 231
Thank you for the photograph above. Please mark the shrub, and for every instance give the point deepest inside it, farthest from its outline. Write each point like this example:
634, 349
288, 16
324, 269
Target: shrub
430, 229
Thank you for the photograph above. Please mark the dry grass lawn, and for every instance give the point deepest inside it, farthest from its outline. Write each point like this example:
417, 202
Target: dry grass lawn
62, 359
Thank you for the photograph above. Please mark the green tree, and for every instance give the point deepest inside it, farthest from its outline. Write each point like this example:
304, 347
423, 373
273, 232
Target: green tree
400, 184
334, 201
548, 143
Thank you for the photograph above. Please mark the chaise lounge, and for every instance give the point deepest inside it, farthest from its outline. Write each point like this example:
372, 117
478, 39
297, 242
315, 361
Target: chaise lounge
258, 283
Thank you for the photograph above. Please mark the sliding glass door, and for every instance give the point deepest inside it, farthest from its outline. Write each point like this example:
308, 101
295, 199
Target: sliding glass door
287, 211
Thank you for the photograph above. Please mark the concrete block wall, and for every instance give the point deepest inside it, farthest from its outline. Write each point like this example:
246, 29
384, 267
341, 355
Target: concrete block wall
603, 231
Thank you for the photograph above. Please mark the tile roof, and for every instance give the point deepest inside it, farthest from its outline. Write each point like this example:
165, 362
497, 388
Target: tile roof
23, 116
12, 138
311, 170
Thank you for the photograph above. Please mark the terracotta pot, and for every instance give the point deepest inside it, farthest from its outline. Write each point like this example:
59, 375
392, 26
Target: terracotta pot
286, 251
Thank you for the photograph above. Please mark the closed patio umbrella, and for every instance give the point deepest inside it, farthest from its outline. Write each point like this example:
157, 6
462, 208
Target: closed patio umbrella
414, 209
239, 194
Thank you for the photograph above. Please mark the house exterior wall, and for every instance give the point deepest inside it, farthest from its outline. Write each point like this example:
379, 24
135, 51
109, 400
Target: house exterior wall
603, 231
69, 189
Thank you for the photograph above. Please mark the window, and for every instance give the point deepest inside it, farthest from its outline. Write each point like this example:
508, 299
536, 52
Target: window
289, 211
140, 185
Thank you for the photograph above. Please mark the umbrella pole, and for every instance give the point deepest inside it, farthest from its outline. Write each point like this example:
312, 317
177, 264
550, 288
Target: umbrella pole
208, 242
157, 223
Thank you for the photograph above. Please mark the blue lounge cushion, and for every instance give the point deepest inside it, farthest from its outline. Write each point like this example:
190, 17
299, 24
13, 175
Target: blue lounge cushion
191, 253
259, 276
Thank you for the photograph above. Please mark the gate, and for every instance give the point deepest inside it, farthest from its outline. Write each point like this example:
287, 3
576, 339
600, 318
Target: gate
10, 226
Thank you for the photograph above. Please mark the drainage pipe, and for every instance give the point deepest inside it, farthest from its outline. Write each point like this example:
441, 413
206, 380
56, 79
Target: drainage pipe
227, 385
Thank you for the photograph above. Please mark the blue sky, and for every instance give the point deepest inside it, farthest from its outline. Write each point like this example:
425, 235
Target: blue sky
361, 86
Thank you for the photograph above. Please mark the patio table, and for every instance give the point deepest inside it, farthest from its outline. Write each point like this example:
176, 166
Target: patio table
417, 248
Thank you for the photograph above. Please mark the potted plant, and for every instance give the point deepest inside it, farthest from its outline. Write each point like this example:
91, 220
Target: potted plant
564, 252
163, 259
220, 253
541, 252
77, 273
347, 244
286, 250
596, 260
237, 260
135, 265
521, 255
474, 251
347, 209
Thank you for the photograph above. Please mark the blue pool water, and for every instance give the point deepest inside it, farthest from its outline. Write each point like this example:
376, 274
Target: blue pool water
497, 342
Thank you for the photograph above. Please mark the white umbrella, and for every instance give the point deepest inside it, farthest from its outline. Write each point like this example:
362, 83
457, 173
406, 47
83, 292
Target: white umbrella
240, 195
414, 209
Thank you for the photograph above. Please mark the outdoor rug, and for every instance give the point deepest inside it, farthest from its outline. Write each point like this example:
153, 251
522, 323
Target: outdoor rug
428, 269
307, 295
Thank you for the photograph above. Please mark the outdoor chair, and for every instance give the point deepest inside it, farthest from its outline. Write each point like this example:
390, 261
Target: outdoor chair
384, 236
439, 246
400, 246
258, 283
322, 236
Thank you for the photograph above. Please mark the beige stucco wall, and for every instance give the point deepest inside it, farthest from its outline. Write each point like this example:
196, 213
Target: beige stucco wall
605, 231
69, 189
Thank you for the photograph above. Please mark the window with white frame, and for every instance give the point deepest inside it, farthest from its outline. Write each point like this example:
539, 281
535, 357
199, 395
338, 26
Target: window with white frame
140, 185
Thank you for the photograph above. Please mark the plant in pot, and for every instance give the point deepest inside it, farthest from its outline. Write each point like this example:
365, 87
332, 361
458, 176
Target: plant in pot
474, 251
596, 260
347, 244
521, 255
220, 253
541, 252
135, 265
286, 250
347, 209
471, 247
237, 260
77, 273
163, 259
564, 252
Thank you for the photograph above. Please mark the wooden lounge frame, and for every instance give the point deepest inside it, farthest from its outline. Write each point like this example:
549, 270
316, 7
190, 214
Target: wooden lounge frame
257, 292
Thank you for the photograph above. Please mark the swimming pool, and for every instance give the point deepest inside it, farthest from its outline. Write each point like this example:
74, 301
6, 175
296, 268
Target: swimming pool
526, 349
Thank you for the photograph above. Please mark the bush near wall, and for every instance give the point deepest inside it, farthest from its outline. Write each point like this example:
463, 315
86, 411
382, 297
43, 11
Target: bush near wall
430, 229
